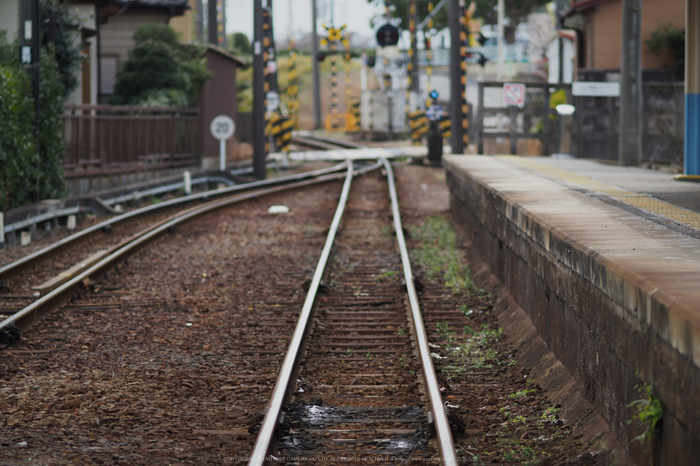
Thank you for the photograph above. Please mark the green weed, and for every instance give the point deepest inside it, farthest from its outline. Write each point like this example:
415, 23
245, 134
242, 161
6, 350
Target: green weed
649, 411
438, 254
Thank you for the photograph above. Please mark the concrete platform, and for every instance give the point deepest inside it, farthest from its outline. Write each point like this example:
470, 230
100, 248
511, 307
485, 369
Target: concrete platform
605, 261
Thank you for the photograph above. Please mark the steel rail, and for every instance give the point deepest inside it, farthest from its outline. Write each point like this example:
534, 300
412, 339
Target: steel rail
316, 144
56, 248
269, 424
334, 142
442, 425
30, 314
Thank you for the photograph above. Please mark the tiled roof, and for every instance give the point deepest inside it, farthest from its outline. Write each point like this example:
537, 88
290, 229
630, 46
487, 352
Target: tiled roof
580, 5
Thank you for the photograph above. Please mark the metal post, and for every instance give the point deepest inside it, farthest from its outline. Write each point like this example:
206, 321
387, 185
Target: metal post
631, 84
259, 153
692, 88
314, 60
456, 141
200, 21
213, 23
501, 37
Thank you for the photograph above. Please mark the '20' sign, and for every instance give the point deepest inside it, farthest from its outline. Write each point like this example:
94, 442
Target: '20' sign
222, 127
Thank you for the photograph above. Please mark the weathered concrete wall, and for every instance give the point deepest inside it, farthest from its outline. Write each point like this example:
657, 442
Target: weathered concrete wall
610, 327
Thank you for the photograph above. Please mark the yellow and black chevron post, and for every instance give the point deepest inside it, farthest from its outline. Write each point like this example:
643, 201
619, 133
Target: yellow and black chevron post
280, 128
409, 66
335, 121
352, 122
419, 126
292, 85
464, 22
445, 127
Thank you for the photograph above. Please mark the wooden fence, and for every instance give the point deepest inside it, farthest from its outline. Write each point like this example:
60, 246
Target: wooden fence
105, 139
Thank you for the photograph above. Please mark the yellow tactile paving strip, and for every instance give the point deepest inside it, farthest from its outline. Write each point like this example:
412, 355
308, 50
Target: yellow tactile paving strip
642, 201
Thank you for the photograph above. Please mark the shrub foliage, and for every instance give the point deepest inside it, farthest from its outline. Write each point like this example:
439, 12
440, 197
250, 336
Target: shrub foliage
30, 160
159, 71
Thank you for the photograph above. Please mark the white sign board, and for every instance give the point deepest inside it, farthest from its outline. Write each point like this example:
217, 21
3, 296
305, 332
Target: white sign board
222, 127
514, 94
273, 101
595, 89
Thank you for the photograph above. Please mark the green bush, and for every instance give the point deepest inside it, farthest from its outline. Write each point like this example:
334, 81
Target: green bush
26, 176
18, 153
67, 51
160, 71
666, 38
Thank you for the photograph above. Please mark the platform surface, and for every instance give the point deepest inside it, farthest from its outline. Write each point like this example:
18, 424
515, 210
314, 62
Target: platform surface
641, 223
605, 260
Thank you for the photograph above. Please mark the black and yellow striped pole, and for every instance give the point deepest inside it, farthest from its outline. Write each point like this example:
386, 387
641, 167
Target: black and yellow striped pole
292, 76
334, 38
465, 21
429, 56
411, 50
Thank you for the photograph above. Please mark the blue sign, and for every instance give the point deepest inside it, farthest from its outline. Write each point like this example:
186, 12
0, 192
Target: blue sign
434, 95
434, 112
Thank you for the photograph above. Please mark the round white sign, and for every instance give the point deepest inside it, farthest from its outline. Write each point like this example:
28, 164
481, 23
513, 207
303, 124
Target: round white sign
273, 101
222, 127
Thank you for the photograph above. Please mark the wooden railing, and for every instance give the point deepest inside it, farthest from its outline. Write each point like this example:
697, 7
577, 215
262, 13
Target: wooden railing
105, 139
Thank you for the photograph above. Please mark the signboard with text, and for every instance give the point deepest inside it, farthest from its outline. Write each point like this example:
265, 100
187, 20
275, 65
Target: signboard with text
595, 89
514, 94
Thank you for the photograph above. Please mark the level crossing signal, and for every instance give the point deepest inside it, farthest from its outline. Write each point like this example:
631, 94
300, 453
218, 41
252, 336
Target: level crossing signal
387, 35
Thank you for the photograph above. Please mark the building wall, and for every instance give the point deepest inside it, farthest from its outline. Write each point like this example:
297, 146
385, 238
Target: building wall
218, 98
9, 18
604, 32
184, 26
118, 32
86, 13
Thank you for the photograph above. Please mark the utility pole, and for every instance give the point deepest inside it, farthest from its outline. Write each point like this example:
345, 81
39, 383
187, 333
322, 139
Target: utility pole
259, 153
456, 86
501, 38
213, 23
314, 60
30, 47
200, 21
631, 84
692, 88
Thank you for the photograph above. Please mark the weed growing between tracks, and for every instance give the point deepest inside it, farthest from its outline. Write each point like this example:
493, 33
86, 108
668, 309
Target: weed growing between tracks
505, 416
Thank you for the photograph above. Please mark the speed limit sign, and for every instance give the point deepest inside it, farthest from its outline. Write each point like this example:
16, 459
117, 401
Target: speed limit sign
222, 128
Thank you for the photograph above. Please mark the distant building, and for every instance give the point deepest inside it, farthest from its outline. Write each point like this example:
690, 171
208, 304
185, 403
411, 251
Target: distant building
105, 32
599, 27
118, 29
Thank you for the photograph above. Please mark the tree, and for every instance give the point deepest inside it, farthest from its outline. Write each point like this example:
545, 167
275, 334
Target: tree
159, 71
240, 44
29, 173
60, 27
516, 11
666, 38
400, 9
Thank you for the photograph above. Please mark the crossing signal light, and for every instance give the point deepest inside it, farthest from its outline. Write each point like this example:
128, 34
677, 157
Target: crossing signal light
320, 56
481, 39
387, 35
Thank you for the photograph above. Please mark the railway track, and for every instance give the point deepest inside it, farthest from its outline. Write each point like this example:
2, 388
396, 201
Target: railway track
359, 354
24, 298
194, 350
